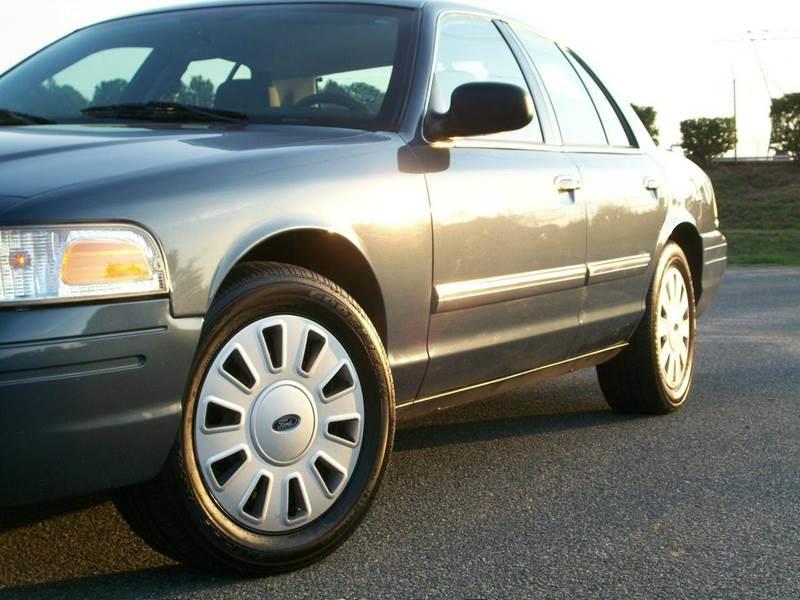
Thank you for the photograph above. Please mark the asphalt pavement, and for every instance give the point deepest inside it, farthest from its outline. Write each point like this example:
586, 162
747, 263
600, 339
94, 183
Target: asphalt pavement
539, 493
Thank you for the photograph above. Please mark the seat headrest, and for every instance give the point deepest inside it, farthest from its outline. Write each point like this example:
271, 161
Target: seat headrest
445, 83
243, 95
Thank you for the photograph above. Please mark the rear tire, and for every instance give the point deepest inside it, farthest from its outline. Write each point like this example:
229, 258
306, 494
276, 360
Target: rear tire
653, 375
288, 503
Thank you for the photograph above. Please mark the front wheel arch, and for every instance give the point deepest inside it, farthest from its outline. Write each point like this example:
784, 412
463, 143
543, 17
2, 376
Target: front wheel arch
330, 254
175, 512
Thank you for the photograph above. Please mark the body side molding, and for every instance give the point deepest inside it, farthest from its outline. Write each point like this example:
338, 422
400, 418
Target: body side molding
618, 268
492, 290
478, 292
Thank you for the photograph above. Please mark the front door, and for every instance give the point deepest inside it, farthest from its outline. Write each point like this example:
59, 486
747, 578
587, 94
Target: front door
509, 231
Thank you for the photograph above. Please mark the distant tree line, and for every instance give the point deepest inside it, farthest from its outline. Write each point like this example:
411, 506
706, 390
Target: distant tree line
705, 139
50, 98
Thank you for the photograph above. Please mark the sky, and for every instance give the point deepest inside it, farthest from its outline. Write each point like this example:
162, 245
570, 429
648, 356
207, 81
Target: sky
680, 56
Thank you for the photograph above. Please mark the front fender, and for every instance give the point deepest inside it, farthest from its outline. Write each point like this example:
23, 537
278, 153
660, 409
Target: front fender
262, 233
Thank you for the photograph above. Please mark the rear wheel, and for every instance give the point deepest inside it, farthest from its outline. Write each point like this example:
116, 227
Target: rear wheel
287, 429
654, 374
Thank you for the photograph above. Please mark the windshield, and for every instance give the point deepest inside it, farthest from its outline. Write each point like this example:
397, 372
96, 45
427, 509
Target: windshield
341, 66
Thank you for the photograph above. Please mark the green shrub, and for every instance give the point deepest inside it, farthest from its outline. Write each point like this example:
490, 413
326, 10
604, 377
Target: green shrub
785, 115
705, 139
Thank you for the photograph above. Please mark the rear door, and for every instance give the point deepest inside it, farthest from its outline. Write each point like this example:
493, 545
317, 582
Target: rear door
620, 185
509, 230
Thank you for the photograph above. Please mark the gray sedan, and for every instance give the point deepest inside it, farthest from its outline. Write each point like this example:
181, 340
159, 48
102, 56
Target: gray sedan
239, 240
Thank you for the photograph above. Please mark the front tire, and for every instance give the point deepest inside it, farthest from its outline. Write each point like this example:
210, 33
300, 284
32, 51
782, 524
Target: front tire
653, 375
288, 425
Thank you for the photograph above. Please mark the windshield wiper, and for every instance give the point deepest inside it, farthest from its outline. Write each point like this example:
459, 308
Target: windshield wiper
164, 111
12, 117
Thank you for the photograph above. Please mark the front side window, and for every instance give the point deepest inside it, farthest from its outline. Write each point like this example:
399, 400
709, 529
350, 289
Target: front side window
470, 50
577, 117
338, 65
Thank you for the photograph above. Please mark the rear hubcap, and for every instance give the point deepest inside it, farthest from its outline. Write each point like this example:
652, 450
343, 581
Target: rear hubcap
674, 330
277, 432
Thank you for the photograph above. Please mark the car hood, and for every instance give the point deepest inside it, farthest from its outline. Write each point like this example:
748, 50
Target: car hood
40, 159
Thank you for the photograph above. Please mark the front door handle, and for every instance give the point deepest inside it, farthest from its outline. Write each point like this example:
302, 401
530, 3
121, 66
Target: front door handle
568, 183
651, 184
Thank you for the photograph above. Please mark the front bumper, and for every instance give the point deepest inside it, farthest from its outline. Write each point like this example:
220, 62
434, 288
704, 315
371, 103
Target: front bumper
90, 396
715, 262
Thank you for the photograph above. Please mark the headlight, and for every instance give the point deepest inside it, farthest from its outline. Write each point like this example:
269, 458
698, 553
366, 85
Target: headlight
70, 263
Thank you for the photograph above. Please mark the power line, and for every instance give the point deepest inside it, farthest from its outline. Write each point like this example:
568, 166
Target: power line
763, 35
753, 37
759, 62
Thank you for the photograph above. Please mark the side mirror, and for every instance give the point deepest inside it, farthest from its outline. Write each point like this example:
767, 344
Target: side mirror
481, 109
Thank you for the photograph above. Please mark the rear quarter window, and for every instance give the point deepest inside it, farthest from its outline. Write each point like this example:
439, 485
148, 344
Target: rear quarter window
615, 130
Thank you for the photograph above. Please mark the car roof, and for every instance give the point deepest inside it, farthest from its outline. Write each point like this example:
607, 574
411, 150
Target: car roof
410, 4
436, 5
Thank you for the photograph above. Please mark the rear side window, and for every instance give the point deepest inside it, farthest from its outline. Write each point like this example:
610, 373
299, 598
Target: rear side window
577, 117
615, 131
470, 50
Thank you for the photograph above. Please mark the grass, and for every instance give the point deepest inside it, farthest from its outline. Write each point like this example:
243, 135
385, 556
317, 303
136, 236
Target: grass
759, 209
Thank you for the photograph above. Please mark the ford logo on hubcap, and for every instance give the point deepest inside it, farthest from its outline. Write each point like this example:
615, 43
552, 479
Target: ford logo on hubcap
286, 423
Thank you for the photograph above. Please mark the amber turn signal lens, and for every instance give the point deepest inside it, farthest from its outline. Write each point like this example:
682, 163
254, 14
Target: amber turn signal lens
19, 260
89, 262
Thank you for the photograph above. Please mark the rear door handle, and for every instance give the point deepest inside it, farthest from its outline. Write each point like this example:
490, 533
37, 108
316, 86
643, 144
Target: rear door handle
568, 183
651, 184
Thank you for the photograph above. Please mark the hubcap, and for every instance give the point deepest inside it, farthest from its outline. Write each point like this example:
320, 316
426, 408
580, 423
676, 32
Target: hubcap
278, 427
674, 329
283, 422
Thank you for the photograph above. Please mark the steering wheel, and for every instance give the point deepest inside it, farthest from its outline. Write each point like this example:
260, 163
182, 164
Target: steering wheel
328, 98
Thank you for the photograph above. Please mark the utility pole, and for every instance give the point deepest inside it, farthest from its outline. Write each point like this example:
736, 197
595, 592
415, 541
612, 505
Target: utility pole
735, 118
751, 37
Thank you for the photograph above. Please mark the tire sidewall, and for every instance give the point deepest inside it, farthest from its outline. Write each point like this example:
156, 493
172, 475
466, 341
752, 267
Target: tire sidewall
673, 256
340, 315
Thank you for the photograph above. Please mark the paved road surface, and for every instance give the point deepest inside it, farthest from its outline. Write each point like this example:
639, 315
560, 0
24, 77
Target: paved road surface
543, 491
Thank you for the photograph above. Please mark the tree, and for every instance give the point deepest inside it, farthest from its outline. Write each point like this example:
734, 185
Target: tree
109, 92
51, 99
647, 114
785, 116
705, 139
199, 92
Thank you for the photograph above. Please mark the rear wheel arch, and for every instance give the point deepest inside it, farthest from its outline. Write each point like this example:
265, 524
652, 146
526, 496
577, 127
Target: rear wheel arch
330, 254
688, 238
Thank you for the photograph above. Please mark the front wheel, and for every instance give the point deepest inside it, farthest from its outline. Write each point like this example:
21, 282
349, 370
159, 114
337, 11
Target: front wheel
654, 374
287, 429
